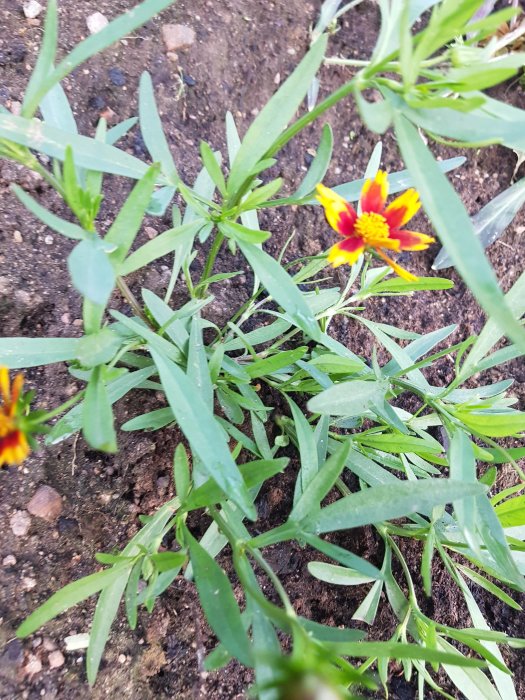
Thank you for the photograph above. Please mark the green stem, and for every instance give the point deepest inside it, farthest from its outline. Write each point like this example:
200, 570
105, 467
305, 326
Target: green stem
210, 262
63, 407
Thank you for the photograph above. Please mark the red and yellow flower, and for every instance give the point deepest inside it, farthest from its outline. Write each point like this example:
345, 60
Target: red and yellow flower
14, 446
377, 228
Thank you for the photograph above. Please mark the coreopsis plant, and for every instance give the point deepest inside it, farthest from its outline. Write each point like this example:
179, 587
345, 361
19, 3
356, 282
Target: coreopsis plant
220, 385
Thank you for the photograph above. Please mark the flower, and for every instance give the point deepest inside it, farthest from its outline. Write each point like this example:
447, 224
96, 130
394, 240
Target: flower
376, 228
14, 447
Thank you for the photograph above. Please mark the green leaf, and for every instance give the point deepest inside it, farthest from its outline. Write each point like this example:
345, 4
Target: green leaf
206, 438
398, 285
197, 369
253, 473
152, 131
69, 596
320, 482
270, 365
396, 500
129, 219
492, 423
275, 115
241, 233
491, 221
214, 169
343, 556
319, 165
282, 288
46, 58
350, 398
181, 471
448, 216
367, 611
18, 353
94, 44
66, 228
218, 602
72, 421
337, 575
98, 348
511, 513
376, 115
390, 442
53, 142
399, 650
463, 468
489, 586
97, 416
91, 271
167, 242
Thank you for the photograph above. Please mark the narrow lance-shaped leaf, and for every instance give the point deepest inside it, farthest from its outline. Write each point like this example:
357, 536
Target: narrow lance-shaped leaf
219, 604
449, 216
272, 119
203, 432
395, 500
152, 131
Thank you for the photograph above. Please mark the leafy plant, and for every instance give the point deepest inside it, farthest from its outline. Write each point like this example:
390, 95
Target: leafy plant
344, 419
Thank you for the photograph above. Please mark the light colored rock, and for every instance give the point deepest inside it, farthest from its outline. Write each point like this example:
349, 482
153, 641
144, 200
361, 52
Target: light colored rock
46, 503
20, 523
56, 659
33, 666
177, 37
28, 583
9, 560
32, 9
17, 237
77, 641
96, 22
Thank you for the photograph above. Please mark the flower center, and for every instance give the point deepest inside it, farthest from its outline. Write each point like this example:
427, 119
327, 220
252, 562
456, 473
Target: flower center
372, 228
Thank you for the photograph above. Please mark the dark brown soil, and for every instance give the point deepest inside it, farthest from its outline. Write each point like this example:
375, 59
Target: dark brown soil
242, 50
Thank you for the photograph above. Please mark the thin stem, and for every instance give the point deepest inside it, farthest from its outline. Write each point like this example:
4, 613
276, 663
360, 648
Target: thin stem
210, 261
63, 407
132, 301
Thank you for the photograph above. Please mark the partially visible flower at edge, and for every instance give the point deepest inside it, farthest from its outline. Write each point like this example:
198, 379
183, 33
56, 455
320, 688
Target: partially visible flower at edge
376, 228
14, 445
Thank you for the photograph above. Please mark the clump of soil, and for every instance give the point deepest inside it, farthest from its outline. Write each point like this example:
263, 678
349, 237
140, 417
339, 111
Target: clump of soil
241, 52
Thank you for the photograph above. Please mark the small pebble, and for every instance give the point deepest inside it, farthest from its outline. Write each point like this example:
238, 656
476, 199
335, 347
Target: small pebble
177, 37
9, 560
28, 583
20, 523
48, 240
122, 658
49, 644
33, 666
96, 22
56, 659
150, 232
117, 77
66, 319
17, 237
191, 82
46, 503
32, 9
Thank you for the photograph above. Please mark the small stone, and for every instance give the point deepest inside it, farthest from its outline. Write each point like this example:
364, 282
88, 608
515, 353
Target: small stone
48, 240
33, 666
16, 108
28, 583
109, 115
49, 644
20, 523
117, 77
17, 237
173, 56
277, 79
188, 80
46, 503
32, 9
9, 560
96, 22
177, 37
66, 319
78, 322
56, 659
122, 658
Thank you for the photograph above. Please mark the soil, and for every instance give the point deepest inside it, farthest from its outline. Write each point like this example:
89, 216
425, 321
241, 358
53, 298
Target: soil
242, 50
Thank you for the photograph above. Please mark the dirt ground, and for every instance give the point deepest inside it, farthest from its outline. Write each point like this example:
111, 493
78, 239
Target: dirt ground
242, 51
